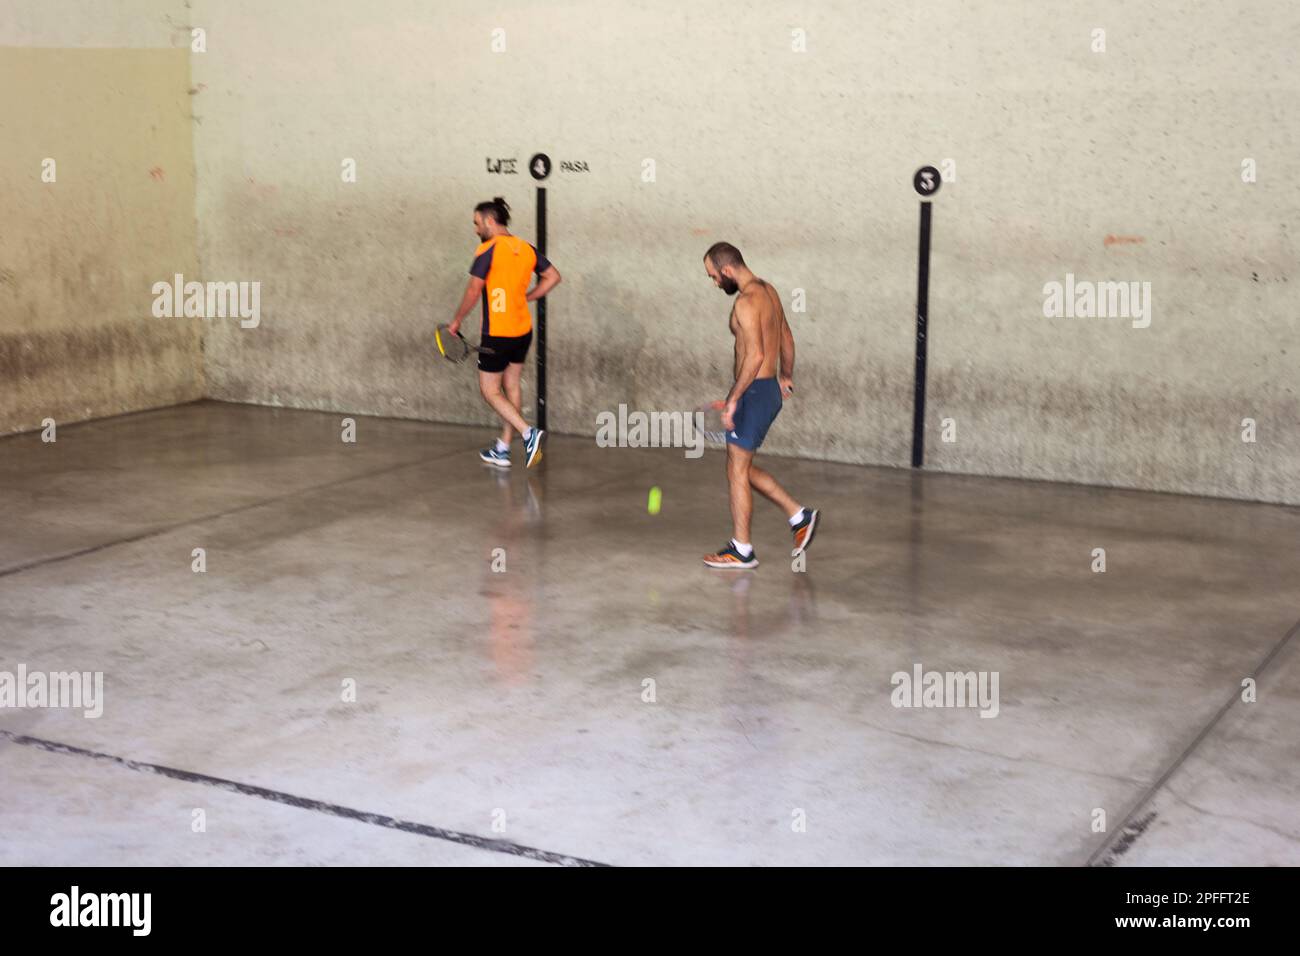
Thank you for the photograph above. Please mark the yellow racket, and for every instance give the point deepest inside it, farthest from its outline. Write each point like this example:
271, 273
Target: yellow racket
453, 347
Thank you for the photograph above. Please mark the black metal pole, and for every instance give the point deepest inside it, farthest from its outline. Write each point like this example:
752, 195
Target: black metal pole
922, 310
541, 314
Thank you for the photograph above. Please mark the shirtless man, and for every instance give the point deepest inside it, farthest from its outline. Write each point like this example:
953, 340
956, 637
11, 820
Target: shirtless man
762, 337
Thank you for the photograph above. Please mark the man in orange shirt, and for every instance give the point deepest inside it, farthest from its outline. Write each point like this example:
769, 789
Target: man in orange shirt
503, 266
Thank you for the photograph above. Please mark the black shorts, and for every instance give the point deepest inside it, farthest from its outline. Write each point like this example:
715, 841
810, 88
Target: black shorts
505, 351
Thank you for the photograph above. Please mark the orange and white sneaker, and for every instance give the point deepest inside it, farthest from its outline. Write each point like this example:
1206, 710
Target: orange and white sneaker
729, 557
804, 531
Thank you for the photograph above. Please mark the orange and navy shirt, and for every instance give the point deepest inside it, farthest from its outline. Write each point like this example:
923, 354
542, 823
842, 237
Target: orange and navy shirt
506, 265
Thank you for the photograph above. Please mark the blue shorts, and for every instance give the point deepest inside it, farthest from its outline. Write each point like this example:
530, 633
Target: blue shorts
755, 413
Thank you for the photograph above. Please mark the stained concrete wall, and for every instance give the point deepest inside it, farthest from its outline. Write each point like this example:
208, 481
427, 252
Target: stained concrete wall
805, 160
103, 91
1117, 165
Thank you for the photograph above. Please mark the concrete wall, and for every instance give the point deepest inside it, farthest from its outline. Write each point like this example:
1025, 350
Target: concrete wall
805, 160
103, 91
1116, 165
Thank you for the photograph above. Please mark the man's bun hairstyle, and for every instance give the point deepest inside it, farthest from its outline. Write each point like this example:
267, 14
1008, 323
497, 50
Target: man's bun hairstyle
497, 208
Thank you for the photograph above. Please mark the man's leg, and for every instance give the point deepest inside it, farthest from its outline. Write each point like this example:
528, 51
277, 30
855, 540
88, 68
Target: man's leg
739, 553
514, 392
767, 486
803, 522
489, 384
742, 497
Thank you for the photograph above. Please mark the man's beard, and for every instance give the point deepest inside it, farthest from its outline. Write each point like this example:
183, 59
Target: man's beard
729, 286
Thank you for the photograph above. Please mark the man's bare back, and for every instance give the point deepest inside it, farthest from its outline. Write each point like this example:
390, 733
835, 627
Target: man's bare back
766, 304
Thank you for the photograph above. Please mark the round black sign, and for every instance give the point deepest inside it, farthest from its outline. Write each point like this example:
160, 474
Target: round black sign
540, 166
927, 181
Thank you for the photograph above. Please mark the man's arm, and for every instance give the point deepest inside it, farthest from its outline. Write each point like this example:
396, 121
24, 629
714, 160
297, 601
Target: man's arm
787, 357
750, 339
547, 281
473, 290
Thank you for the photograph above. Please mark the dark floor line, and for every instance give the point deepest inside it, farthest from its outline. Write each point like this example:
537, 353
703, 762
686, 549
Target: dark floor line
154, 532
1117, 844
306, 803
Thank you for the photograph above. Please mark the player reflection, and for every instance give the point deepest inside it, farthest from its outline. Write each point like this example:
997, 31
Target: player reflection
507, 586
756, 635
800, 608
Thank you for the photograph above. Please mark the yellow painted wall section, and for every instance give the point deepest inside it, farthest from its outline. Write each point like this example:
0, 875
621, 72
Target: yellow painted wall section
79, 256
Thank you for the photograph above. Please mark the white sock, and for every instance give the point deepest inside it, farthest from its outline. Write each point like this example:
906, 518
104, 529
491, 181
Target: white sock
528, 435
796, 517
746, 550
502, 446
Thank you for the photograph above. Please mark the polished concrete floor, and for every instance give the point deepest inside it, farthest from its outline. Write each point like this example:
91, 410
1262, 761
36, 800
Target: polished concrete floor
508, 717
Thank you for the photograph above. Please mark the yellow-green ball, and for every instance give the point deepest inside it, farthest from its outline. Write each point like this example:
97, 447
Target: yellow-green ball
656, 499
